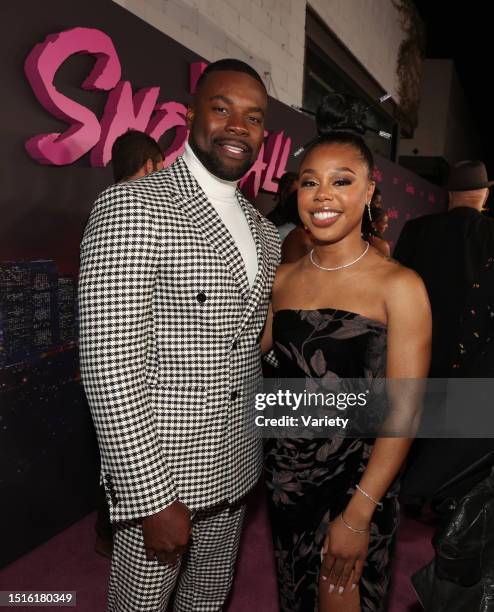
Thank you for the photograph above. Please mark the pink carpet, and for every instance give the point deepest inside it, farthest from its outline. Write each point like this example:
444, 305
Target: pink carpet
68, 562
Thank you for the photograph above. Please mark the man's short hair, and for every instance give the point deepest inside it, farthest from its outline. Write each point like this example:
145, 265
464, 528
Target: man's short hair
233, 65
131, 151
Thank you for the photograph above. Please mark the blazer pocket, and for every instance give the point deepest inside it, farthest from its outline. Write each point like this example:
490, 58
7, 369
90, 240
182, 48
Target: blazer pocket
189, 432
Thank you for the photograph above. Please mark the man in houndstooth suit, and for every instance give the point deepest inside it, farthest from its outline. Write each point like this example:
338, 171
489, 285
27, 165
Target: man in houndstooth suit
176, 275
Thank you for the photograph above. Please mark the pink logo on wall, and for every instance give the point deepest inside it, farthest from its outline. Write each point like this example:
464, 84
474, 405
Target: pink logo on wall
123, 110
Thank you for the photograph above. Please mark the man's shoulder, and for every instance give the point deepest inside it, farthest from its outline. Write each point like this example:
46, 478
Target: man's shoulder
420, 228
426, 220
470, 223
156, 194
163, 183
174, 183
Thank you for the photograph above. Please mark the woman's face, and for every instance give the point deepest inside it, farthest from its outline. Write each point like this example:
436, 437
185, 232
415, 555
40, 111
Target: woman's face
377, 202
334, 187
382, 225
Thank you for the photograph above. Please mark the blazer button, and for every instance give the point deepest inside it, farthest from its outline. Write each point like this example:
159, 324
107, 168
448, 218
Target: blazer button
233, 395
235, 345
108, 478
201, 297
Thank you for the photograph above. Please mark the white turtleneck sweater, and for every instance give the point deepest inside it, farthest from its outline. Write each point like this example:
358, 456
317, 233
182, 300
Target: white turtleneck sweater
221, 194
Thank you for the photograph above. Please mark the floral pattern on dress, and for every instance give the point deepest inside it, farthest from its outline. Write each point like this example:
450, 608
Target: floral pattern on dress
310, 481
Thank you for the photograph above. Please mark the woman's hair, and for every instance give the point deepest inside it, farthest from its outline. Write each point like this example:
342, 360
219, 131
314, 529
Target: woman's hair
368, 228
340, 119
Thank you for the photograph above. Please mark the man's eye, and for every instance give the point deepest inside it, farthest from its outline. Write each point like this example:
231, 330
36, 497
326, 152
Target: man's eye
255, 120
219, 109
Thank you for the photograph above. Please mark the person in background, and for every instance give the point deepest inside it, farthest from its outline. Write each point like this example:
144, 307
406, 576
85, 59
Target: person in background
374, 224
280, 215
133, 155
449, 250
377, 198
453, 252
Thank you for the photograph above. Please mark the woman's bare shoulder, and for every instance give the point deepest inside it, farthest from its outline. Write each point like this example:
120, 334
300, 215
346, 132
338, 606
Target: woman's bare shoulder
286, 279
403, 287
285, 270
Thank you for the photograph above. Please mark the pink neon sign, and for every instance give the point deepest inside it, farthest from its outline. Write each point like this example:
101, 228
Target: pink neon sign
124, 109
41, 66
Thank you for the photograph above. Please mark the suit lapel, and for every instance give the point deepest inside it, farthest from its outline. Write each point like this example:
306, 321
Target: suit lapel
194, 203
201, 212
255, 224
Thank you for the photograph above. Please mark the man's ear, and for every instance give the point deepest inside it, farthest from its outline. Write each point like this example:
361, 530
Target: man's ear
189, 117
486, 196
148, 167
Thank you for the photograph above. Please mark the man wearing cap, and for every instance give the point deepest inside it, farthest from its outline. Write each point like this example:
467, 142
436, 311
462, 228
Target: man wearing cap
448, 250
452, 252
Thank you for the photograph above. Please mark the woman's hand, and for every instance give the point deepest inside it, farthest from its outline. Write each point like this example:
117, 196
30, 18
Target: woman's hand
344, 554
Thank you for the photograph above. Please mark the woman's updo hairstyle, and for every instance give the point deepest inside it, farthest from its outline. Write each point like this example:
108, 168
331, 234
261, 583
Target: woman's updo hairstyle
341, 119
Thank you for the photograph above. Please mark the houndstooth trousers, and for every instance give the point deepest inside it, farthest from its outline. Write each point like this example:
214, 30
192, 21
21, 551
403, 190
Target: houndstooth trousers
202, 577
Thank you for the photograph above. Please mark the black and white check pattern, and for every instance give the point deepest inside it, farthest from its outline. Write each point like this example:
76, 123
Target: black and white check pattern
169, 342
204, 573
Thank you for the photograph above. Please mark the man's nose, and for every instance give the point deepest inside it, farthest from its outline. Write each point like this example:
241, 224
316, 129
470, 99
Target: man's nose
236, 124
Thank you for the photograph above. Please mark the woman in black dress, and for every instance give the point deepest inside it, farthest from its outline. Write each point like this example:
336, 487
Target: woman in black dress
343, 310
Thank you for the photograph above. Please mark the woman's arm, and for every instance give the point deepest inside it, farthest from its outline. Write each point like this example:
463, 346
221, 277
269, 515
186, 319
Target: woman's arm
408, 357
408, 360
267, 334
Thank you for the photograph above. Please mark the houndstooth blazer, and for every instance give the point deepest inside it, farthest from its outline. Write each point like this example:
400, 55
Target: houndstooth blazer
169, 342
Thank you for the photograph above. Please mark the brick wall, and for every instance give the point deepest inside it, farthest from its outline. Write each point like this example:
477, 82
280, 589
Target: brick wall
270, 34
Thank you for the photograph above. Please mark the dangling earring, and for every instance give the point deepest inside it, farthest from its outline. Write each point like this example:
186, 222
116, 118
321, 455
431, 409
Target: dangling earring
369, 212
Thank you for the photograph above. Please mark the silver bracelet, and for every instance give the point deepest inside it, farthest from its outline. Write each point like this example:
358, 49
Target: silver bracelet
353, 528
374, 501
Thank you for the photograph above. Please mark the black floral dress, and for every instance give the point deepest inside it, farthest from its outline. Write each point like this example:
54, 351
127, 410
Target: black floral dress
310, 481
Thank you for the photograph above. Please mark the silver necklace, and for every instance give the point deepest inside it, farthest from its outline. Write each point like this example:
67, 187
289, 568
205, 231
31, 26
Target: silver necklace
347, 265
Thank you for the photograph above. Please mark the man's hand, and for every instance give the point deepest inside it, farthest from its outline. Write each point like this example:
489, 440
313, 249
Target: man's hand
167, 533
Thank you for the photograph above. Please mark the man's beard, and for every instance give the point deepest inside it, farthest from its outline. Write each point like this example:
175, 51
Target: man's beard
212, 162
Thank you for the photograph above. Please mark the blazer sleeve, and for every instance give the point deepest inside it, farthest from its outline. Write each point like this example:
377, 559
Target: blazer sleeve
120, 257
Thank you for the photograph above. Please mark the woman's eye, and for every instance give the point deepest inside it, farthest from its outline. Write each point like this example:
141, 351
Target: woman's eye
255, 120
342, 182
308, 183
219, 109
